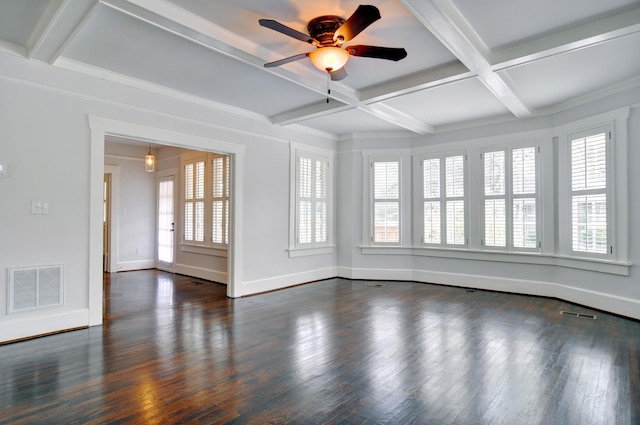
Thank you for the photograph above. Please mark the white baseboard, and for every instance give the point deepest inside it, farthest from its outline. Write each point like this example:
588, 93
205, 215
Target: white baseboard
279, 282
42, 324
611, 303
127, 266
201, 273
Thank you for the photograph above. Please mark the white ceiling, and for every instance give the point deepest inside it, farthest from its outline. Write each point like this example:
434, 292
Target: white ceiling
468, 61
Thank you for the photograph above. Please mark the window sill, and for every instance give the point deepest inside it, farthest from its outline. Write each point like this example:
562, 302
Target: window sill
213, 251
303, 252
602, 266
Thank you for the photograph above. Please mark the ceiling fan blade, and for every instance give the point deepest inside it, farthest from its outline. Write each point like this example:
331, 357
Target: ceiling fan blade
281, 28
286, 60
364, 16
390, 53
339, 74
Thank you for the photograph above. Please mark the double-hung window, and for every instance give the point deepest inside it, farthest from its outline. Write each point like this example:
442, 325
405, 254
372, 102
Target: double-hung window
444, 202
385, 189
311, 195
590, 198
206, 199
511, 199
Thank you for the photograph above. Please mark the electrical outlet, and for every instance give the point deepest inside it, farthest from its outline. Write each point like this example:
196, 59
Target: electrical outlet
138, 250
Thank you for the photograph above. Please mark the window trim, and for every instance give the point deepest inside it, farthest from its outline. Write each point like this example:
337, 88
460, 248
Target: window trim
296, 249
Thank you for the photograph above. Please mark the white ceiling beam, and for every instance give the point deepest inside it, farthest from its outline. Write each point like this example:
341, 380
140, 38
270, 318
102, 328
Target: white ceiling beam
447, 24
57, 26
304, 113
583, 36
425, 80
392, 115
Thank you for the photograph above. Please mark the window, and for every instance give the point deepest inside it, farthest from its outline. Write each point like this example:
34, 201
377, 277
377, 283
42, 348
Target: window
589, 192
311, 201
386, 202
206, 200
511, 199
444, 201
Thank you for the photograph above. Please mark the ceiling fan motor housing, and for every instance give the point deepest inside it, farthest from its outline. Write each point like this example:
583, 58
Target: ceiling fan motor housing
324, 27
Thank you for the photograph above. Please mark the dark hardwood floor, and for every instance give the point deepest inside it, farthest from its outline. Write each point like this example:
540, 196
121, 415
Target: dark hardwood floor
175, 350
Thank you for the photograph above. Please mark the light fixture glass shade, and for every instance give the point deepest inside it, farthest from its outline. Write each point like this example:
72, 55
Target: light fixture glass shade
149, 162
329, 58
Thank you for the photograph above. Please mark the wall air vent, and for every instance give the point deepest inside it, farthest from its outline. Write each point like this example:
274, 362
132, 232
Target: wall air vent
35, 287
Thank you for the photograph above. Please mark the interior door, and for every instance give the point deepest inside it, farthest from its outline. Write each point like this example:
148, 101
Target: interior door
166, 223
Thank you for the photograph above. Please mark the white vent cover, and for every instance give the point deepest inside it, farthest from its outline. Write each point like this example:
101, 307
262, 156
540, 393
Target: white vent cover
35, 287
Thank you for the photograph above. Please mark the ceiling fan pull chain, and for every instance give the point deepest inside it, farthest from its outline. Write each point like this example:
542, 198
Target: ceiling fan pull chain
328, 85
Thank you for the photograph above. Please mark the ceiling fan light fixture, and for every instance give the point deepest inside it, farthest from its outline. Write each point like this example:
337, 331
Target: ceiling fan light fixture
329, 59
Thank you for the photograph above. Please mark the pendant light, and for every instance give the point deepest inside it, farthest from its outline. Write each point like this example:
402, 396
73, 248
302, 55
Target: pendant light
149, 162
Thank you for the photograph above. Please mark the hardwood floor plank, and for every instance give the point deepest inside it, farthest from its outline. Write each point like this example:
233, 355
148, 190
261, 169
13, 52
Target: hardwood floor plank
175, 349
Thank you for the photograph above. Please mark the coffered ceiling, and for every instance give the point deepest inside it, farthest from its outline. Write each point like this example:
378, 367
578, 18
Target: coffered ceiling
468, 61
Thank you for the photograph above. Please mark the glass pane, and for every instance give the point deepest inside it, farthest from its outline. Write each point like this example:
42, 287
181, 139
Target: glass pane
524, 223
188, 221
589, 223
494, 173
455, 223
495, 223
321, 221
304, 222
218, 174
198, 231
386, 224
454, 175
188, 181
165, 221
589, 162
304, 177
199, 180
386, 180
432, 232
524, 170
218, 219
431, 174
321, 179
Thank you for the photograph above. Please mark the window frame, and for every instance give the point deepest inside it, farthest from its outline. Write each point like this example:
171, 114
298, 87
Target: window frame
296, 248
510, 196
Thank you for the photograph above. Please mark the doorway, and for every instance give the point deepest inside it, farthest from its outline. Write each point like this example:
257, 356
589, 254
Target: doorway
106, 223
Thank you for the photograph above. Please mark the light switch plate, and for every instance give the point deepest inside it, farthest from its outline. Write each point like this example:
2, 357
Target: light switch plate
39, 207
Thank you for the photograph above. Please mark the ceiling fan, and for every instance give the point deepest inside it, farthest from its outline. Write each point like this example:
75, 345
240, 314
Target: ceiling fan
327, 33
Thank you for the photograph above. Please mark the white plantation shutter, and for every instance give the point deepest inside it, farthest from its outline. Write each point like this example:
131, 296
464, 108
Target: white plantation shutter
206, 199
524, 207
495, 213
589, 193
431, 192
455, 204
444, 203
220, 199
386, 201
312, 200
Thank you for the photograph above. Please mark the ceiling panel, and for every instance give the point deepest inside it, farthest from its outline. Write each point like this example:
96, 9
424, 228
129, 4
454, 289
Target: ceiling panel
507, 22
560, 78
461, 101
142, 51
19, 18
